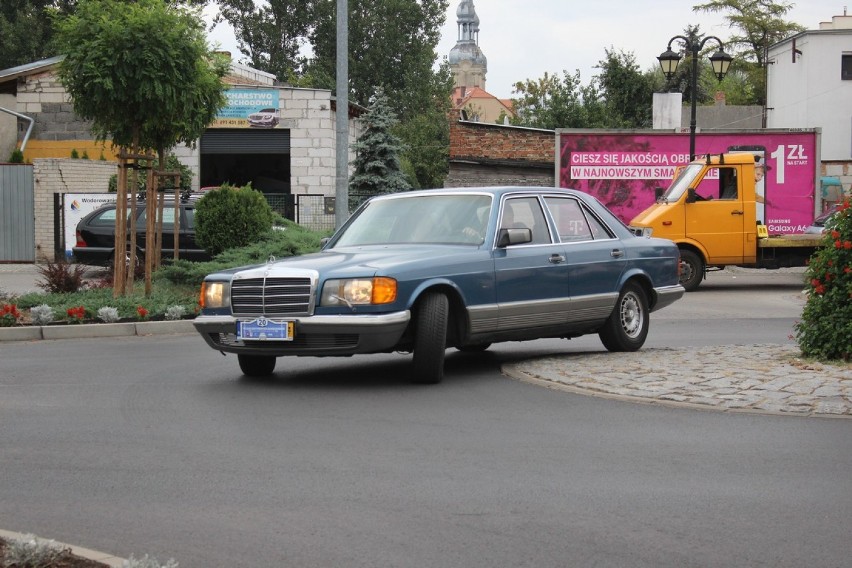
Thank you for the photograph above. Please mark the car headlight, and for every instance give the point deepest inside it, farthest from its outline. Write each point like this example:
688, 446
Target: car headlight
358, 291
215, 295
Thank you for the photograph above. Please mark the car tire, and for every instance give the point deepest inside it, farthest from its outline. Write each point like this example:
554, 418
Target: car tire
691, 270
430, 338
475, 348
256, 365
627, 325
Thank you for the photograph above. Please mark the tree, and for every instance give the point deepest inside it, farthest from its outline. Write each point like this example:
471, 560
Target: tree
26, 30
272, 34
759, 24
143, 74
391, 44
377, 150
426, 134
551, 102
626, 91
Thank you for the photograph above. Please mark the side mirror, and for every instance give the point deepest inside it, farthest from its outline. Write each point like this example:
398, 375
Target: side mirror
324, 241
508, 237
691, 196
658, 192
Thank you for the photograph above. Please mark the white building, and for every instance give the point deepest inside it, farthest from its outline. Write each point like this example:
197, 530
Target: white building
810, 85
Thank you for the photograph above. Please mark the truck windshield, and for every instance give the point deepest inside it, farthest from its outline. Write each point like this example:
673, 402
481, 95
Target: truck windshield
684, 180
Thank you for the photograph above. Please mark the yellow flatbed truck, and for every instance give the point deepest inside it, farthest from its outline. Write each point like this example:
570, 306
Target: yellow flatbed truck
713, 212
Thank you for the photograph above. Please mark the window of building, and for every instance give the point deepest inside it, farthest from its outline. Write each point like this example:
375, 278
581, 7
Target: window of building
846, 67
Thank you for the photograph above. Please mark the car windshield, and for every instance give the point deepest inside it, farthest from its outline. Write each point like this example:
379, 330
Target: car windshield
433, 219
685, 177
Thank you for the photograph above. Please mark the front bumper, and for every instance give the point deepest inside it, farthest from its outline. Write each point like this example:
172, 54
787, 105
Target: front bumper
314, 335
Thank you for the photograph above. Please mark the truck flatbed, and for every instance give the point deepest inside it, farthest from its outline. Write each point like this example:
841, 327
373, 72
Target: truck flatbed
792, 240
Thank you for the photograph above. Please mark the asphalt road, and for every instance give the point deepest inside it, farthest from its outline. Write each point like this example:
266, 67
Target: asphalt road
156, 445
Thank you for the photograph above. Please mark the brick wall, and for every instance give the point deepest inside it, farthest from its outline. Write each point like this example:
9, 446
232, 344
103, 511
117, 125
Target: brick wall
56, 176
493, 154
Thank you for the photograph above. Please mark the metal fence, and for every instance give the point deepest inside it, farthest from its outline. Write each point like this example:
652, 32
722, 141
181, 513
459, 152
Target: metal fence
17, 213
312, 211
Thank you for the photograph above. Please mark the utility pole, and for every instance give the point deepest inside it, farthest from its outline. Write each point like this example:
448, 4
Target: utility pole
341, 194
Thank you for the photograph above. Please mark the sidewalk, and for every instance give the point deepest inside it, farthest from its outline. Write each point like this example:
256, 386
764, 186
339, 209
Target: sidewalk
766, 379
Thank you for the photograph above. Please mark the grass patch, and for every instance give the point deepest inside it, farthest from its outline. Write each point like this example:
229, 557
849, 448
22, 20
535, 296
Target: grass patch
174, 284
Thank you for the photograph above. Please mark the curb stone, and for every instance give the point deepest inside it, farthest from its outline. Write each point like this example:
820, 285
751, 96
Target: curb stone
103, 557
757, 379
88, 331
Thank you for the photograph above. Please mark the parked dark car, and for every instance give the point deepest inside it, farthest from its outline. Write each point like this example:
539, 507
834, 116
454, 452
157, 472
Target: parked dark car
425, 270
96, 234
818, 226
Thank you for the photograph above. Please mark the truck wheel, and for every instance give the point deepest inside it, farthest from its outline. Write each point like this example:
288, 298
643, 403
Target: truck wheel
256, 365
430, 338
691, 270
627, 325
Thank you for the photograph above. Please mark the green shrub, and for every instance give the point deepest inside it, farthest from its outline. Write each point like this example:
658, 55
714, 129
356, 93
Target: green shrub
17, 156
230, 217
825, 330
289, 239
75, 155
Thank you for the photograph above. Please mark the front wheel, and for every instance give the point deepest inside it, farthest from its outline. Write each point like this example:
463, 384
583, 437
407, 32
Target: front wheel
256, 365
691, 270
430, 338
627, 325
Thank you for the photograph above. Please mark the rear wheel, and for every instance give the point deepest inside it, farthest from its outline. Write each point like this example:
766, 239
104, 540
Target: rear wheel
256, 365
627, 326
691, 270
430, 338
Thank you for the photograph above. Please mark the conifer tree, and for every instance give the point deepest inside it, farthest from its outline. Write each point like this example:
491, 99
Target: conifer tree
378, 169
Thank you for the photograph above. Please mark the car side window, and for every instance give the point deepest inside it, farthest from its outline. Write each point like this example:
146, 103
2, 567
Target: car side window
105, 219
526, 213
574, 221
168, 217
189, 213
571, 223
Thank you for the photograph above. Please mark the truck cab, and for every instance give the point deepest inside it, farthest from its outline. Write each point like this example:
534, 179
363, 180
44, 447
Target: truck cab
714, 212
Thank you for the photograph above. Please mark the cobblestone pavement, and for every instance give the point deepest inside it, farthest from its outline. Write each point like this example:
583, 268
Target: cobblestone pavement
769, 379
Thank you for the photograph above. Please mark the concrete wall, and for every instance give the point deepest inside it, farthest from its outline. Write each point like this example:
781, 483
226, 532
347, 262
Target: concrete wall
53, 176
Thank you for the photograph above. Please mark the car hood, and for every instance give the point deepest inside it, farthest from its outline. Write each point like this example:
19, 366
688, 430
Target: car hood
377, 260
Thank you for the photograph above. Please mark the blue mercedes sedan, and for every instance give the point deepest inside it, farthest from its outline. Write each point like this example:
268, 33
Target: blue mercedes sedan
424, 271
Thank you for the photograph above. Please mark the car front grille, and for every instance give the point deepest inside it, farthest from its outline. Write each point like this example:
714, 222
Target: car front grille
271, 296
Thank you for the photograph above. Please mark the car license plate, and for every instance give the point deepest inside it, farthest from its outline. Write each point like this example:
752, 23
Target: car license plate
262, 329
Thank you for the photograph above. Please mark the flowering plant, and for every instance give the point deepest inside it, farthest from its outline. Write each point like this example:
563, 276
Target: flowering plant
9, 315
142, 312
825, 330
76, 314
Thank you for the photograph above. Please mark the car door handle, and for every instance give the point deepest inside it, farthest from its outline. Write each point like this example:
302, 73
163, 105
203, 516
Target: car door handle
556, 259
737, 212
616, 253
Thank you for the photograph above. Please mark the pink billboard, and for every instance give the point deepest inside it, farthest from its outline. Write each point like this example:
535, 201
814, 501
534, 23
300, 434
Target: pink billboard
622, 168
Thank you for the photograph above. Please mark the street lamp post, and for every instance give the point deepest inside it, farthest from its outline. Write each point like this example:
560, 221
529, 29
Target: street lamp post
669, 61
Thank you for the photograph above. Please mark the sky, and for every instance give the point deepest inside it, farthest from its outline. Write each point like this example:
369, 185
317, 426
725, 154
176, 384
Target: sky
524, 39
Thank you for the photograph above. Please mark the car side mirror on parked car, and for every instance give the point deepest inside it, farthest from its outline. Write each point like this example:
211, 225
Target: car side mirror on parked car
508, 237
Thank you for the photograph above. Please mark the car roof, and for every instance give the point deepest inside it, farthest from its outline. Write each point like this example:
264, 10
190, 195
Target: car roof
497, 191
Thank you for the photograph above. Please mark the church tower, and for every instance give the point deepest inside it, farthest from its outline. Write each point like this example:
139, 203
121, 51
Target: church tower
466, 60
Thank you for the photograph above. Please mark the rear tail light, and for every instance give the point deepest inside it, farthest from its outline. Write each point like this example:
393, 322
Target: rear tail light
80, 241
